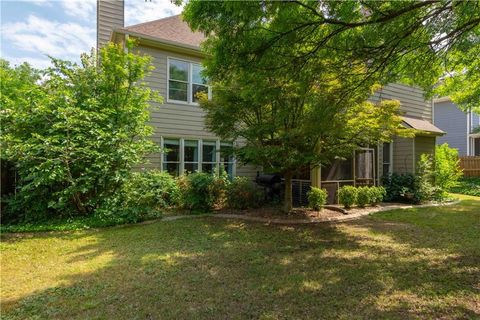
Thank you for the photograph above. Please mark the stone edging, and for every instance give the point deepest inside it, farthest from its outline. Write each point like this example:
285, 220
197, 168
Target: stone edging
342, 218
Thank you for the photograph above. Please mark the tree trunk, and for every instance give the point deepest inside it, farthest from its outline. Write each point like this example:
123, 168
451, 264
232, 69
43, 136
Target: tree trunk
287, 206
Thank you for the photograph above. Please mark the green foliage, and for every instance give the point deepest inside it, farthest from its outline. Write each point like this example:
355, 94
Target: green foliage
151, 190
201, 191
447, 168
75, 135
317, 198
400, 187
288, 117
425, 180
347, 196
377, 195
468, 186
242, 194
364, 196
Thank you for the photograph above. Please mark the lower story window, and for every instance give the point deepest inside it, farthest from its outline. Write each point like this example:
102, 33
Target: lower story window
190, 156
209, 159
387, 159
226, 158
171, 156
183, 156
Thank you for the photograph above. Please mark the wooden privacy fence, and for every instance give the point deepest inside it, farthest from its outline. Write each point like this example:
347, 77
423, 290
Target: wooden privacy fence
470, 166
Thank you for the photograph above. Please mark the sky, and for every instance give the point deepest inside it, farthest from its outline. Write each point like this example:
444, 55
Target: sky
30, 30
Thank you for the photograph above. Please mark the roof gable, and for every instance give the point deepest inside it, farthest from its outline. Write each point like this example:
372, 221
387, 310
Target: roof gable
172, 29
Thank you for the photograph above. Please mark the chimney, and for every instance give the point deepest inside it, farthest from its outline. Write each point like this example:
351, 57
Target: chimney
110, 15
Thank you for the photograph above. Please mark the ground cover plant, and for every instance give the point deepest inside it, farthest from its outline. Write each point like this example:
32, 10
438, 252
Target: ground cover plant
403, 264
468, 186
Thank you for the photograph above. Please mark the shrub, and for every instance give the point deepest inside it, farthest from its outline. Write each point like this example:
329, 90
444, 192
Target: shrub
399, 187
200, 191
347, 196
243, 194
364, 196
425, 189
151, 190
96, 131
447, 169
469, 186
317, 198
377, 194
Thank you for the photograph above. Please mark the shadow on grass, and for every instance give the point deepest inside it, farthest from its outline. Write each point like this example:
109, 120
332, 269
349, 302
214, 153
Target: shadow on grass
209, 268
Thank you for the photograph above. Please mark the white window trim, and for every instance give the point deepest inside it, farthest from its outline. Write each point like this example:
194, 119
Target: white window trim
181, 170
390, 160
189, 83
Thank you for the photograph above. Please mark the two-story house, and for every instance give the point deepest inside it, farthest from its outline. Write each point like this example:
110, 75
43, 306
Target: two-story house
461, 127
179, 122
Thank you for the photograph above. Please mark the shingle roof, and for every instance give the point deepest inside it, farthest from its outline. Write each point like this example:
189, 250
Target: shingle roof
422, 125
171, 29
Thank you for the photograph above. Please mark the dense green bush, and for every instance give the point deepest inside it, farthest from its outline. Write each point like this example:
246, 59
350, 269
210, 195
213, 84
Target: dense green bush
201, 191
447, 168
317, 198
364, 196
468, 186
377, 194
347, 196
400, 187
242, 193
152, 190
425, 189
75, 133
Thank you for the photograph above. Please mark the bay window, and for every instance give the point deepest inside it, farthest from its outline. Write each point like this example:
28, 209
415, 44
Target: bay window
185, 81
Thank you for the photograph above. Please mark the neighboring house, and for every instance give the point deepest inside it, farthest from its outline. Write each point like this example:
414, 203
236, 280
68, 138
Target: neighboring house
179, 122
460, 127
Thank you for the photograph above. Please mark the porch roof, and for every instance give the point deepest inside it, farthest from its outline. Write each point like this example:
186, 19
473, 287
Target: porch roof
422, 125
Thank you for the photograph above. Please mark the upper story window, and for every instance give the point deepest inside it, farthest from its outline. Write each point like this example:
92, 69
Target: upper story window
185, 81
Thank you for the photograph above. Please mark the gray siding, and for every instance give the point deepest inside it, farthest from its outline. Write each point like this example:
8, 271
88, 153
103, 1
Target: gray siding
454, 122
424, 145
412, 100
403, 155
110, 15
176, 120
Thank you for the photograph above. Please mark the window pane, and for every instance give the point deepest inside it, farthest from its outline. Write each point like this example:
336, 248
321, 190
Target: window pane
197, 74
196, 88
172, 168
226, 153
190, 167
178, 70
208, 167
172, 151
338, 170
386, 152
177, 91
386, 169
209, 151
228, 167
191, 151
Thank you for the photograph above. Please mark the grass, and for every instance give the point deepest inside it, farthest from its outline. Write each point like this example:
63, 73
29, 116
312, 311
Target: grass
404, 264
468, 186
76, 223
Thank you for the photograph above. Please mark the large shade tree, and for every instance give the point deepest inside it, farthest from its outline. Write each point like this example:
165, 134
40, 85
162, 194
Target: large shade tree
287, 113
416, 41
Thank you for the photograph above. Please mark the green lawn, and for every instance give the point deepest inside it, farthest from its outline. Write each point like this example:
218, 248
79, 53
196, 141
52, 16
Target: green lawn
419, 263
